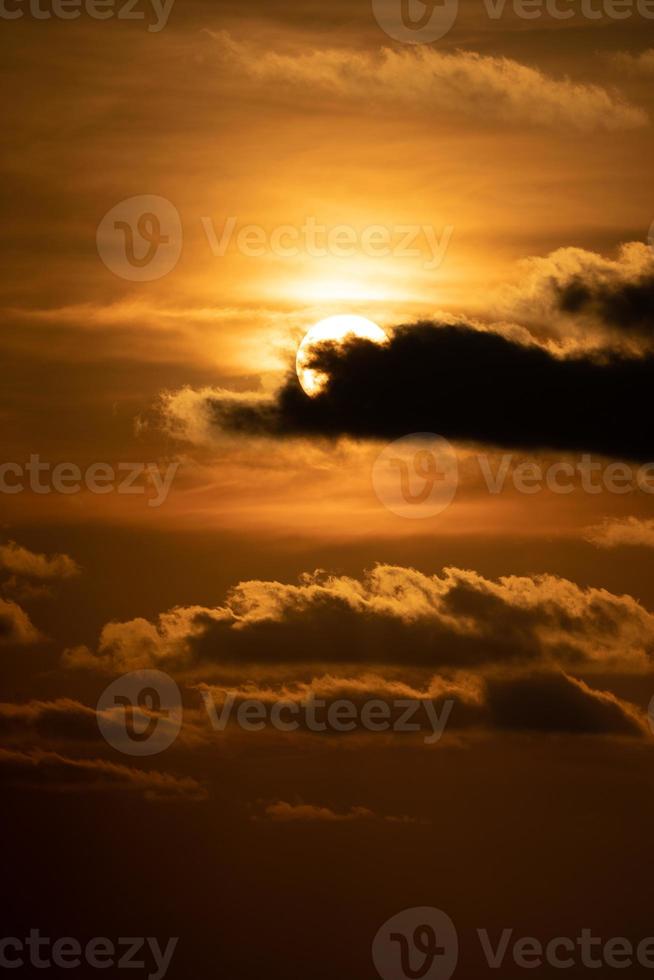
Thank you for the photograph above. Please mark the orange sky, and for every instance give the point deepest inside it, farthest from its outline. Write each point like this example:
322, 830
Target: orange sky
303, 153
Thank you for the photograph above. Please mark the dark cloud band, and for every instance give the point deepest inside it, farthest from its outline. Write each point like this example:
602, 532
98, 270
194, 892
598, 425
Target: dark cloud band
466, 385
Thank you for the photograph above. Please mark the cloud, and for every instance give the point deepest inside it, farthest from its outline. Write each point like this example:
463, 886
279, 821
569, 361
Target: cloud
615, 532
437, 82
190, 415
519, 699
635, 64
61, 718
15, 625
556, 702
586, 300
357, 687
50, 770
391, 616
26, 563
282, 812
464, 384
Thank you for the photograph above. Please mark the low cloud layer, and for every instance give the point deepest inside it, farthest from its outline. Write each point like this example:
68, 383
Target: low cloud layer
20, 561
282, 812
61, 719
16, 628
519, 701
555, 702
38, 768
391, 616
433, 81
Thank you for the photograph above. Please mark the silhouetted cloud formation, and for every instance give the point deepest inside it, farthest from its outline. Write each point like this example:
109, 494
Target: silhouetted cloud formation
627, 306
464, 384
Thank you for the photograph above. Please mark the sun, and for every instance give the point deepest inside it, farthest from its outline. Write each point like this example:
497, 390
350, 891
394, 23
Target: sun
335, 328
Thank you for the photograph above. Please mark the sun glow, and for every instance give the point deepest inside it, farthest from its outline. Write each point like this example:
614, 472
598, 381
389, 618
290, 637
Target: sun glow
334, 328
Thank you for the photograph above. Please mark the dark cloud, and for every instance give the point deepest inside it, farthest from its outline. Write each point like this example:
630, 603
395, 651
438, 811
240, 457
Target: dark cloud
42, 769
628, 306
551, 702
63, 718
518, 700
467, 385
16, 628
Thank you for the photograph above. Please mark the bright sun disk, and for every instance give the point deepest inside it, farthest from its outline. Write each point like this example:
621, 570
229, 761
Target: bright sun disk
334, 328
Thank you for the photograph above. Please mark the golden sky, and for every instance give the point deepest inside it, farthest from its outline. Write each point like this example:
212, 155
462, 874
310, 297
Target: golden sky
492, 186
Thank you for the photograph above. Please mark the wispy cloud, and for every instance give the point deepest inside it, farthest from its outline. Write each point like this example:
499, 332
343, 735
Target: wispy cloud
433, 81
46, 769
283, 812
616, 532
635, 64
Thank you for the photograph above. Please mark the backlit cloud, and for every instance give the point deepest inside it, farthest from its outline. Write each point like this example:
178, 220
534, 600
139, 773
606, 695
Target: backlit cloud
434, 81
21, 561
392, 615
464, 384
51, 770
282, 812
585, 300
15, 625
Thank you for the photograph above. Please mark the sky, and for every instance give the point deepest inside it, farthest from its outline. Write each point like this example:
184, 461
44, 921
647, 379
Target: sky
459, 520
